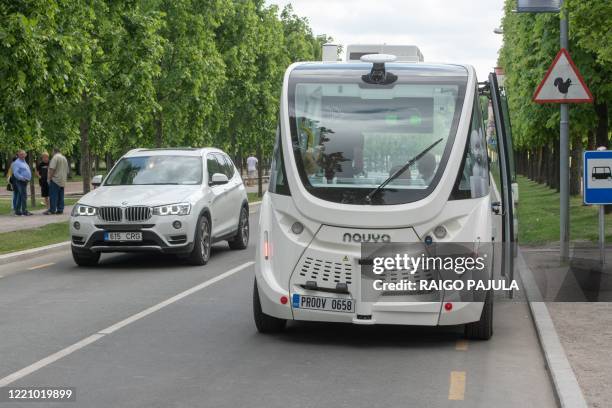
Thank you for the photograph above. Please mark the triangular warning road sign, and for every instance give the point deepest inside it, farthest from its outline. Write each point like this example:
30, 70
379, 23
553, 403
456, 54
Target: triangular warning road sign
562, 83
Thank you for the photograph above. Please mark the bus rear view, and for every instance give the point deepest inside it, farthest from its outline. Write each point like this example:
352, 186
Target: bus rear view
369, 154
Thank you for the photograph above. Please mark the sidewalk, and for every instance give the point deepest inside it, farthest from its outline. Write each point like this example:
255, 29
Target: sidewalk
10, 223
253, 188
578, 295
72, 188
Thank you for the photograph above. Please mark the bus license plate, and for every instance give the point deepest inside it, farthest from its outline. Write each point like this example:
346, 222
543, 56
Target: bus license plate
328, 304
123, 236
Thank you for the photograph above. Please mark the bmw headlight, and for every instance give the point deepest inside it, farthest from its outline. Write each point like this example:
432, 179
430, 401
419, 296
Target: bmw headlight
83, 210
172, 209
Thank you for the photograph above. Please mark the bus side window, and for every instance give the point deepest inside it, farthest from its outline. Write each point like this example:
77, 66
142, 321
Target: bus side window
473, 180
278, 179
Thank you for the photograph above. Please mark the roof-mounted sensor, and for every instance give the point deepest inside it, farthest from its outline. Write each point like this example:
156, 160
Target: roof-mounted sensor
379, 75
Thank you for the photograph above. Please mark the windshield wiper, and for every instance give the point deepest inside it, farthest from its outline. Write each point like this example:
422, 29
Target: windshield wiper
405, 167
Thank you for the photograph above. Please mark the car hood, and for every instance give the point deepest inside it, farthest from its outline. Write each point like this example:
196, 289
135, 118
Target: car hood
139, 195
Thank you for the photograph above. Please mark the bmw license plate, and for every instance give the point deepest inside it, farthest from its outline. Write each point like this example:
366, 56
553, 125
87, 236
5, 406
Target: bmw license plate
123, 236
328, 304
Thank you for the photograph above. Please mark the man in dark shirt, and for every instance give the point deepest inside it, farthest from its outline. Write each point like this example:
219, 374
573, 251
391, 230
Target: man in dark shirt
42, 170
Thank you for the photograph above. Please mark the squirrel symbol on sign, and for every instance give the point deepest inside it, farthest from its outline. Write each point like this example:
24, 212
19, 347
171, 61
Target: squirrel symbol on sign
563, 86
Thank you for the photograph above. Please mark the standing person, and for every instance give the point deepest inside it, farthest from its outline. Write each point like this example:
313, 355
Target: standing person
11, 179
57, 176
42, 170
251, 168
22, 175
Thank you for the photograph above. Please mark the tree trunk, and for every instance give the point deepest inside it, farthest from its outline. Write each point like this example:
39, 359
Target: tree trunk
556, 169
575, 166
532, 165
540, 172
69, 160
601, 132
591, 143
97, 164
109, 162
85, 152
259, 173
159, 129
550, 180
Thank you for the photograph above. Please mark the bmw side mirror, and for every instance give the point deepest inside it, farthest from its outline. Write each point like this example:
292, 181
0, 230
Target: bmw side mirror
218, 178
96, 180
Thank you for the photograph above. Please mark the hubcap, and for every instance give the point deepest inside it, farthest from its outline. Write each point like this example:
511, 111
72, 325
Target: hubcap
205, 241
245, 226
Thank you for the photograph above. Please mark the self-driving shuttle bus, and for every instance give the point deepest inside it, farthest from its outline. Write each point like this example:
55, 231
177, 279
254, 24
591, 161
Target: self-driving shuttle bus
380, 152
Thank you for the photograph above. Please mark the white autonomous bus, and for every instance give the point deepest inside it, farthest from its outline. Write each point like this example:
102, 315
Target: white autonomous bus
380, 150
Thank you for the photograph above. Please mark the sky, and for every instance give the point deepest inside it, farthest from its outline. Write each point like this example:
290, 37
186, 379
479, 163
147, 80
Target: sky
457, 31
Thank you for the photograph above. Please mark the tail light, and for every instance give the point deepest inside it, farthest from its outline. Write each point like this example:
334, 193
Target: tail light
266, 246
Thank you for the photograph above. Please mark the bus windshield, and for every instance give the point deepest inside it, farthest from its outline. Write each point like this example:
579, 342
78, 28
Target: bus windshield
348, 138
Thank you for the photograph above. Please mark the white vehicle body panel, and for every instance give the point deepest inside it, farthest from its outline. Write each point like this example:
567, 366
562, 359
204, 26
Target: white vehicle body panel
287, 268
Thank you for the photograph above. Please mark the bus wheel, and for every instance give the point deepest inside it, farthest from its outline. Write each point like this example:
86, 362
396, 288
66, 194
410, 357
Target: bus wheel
483, 328
263, 322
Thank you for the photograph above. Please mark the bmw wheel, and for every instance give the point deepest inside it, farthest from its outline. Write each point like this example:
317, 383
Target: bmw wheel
85, 258
241, 240
202, 243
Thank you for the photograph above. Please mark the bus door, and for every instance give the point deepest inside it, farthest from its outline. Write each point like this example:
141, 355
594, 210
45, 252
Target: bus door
500, 145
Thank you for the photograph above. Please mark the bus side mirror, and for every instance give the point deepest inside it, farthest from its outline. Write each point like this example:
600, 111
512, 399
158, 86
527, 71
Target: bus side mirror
96, 181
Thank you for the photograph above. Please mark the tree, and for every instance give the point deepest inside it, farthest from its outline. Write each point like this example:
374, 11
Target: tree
530, 43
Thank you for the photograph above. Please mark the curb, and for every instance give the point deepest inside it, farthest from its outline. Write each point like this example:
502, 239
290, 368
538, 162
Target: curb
33, 253
566, 387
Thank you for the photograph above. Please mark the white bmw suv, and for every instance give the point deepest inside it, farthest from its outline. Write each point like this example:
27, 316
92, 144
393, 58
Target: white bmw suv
176, 201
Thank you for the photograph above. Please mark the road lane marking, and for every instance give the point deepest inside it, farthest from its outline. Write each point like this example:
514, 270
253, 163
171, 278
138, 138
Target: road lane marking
173, 299
95, 337
462, 345
41, 266
48, 360
456, 390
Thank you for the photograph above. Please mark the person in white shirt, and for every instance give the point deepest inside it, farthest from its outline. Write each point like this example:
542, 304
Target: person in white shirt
251, 168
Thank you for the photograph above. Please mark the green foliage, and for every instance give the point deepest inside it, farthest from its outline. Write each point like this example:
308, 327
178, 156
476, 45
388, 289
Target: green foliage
530, 44
539, 216
97, 76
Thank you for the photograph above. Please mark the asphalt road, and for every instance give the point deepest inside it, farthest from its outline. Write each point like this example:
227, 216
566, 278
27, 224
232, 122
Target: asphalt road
59, 327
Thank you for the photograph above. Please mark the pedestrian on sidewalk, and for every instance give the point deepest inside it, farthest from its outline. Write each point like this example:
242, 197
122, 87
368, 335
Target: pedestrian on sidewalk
251, 168
42, 171
22, 175
11, 183
57, 177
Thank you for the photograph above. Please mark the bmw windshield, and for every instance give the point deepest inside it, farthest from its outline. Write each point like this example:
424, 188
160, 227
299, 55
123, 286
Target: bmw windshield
348, 136
156, 170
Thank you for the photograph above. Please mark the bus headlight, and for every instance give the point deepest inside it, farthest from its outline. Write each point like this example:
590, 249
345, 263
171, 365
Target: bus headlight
172, 209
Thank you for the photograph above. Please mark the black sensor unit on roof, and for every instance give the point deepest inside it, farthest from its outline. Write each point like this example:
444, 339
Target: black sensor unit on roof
378, 75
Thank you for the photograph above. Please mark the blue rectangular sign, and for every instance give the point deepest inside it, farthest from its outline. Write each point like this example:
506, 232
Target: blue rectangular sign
538, 6
598, 177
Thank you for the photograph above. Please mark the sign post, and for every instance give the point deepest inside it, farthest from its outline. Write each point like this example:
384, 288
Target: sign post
598, 188
562, 95
563, 84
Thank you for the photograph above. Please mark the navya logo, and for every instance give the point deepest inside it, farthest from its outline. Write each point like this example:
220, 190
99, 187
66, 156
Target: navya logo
369, 237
